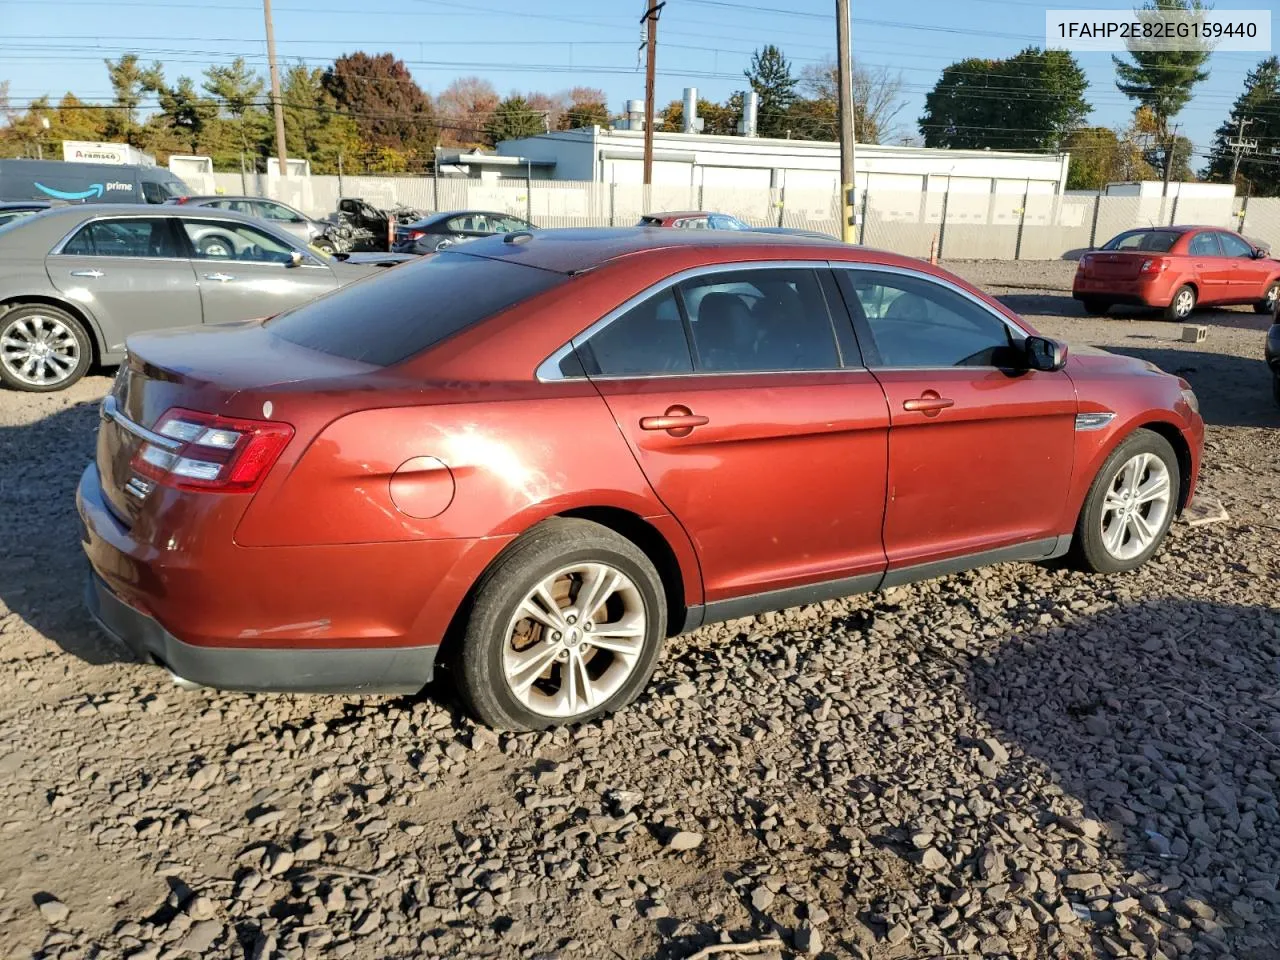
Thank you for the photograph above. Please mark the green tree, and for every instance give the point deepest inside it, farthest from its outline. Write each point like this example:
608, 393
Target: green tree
718, 119
313, 126
390, 109
1029, 101
24, 134
76, 121
775, 86
514, 118
1259, 107
1162, 80
184, 114
238, 92
130, 81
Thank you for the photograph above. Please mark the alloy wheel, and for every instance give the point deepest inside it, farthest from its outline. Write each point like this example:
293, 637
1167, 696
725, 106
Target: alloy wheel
574, 640
1136, 506
1185, 303
39, 350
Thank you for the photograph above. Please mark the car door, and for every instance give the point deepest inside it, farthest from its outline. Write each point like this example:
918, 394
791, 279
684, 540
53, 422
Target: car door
245, 272
1246, 275
1212, 269
760, 431
980, 451
130, 273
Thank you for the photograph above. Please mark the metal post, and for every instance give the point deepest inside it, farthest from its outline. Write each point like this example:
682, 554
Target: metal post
942, 228
700, 186
845, 75
862, 222
613, 190
782, 203
1173, 213
244, 183
1093, 228
650, 19
1022, 219
1244, 209
528, 191
276, 107
339, 173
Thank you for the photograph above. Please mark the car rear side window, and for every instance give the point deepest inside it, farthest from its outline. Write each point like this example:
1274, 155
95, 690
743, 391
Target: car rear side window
135, 237
647, 340
393, 315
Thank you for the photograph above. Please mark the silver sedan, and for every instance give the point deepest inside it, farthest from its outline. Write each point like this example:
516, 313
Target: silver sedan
76, 281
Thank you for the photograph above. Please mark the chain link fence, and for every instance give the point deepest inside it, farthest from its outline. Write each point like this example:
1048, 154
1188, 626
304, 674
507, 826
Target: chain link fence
957, 224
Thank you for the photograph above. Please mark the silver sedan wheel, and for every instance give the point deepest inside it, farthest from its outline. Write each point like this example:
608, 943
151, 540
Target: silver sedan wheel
1136, 506
1185, 303
39, 350
574, 640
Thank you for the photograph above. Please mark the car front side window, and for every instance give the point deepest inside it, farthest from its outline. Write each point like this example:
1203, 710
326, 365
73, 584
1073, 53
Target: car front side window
1204, 245
908, 321
1233, 246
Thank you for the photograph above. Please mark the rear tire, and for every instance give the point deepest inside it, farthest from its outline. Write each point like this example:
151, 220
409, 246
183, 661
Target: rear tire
1182, 304
501, 652
1096, 308
43, 349
1267, 305
1118, 530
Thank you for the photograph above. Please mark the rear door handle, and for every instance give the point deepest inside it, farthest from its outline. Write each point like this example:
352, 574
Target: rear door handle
220, 277
88, 273
929, 403
678, 421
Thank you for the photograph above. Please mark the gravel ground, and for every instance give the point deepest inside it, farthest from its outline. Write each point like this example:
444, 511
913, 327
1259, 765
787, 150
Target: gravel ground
1019, 761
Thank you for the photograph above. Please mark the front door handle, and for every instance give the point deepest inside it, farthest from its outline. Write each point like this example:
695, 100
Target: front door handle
928, 403
220, 277
88, 273
678, 421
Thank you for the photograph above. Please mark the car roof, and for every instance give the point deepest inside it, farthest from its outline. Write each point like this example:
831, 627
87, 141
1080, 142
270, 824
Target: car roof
668, 214
1178, 228
24, 204
574, 250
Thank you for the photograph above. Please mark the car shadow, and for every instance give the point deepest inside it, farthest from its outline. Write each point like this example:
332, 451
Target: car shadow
1162, 719
1233, 391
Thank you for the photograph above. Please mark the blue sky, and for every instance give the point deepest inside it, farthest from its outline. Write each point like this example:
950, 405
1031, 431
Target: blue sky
50, 46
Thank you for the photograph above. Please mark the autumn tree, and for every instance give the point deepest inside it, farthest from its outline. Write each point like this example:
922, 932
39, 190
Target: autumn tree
463, 110
877, 101
389, 108
512, 119
718, 119
588, 106
73, 120
1027, 102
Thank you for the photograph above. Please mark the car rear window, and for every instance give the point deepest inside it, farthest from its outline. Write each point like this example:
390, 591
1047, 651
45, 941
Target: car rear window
1145, 241
391, 316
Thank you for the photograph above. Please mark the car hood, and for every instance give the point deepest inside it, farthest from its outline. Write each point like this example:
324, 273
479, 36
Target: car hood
350, 266
1087, 359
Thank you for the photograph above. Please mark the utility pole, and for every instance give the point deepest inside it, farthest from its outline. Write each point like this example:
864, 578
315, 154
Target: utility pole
1240, 146
844, 58
650, 19
276, 107
1169, 146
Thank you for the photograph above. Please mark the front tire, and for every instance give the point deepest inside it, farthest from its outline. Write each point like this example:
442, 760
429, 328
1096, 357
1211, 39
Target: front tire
1129, 507
567, 625
42, 349
1096, 308
1182, 304
1267, 305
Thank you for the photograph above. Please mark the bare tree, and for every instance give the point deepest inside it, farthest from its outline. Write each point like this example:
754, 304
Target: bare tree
877, 97
465, 107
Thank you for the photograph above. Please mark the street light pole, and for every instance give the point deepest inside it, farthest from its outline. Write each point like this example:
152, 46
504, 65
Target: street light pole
844, 58
276, 107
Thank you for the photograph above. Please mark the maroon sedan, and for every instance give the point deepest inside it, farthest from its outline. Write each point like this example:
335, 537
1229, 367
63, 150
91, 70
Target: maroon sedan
530, 460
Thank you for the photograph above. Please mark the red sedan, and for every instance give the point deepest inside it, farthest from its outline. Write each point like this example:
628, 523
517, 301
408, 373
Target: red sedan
1177, 269
532, 459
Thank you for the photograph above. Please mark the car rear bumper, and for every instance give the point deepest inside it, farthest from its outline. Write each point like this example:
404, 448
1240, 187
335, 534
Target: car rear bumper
302, 670
1154, 292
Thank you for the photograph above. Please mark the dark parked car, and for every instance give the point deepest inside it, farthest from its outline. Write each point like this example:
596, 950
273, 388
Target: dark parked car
701, 220
78, 280
441, 230
562, 448
17, 209
325, 235
1176, 269
1273, 356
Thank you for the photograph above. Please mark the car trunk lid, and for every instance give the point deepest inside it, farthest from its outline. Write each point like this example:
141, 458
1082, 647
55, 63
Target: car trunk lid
1115, 266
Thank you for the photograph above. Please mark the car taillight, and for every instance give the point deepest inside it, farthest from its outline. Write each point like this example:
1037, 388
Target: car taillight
212, 453
180, 199
1155, 265
416, 234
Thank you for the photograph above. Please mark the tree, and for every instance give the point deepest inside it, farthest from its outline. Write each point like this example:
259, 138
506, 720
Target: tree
464, 109
1162, 80
238, 92
129, 82
1030, 101
183, 111
770, 77
588, 106
314, 128
389, 108
75, 121
718, 119
24, 135
1259, 105
877, 101
1100, 156
512, 119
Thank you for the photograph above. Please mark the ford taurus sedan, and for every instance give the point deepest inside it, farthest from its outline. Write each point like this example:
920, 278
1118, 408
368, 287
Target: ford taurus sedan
76, 281
1177, 269
536, 457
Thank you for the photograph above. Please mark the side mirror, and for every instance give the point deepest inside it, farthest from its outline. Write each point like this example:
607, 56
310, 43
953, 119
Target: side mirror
295, 259
1045, 354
